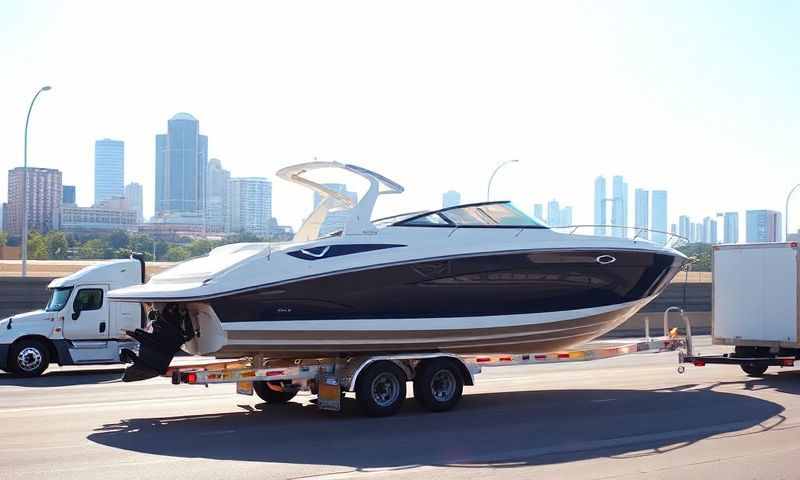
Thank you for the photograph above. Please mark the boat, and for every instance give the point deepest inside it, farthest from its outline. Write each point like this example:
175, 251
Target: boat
477, 278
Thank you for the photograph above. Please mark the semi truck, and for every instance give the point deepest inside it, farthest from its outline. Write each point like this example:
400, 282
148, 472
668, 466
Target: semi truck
755, 306
79, 325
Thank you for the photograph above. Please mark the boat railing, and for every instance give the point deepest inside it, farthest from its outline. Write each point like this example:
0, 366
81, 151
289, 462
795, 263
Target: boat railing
669, 239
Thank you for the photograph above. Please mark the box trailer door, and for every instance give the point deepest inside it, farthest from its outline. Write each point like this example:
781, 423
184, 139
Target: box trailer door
755, 292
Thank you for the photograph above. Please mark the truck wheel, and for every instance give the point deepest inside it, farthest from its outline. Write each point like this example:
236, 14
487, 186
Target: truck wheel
439, 384
754, 369
29, 358
381, 389
271, 396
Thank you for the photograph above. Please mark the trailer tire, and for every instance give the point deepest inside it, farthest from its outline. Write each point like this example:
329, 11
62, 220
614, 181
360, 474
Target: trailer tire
29, 357
381, 389
439, 384
754, 369
272, 397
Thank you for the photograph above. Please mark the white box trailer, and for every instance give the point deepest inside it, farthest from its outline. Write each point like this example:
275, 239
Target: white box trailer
755, 299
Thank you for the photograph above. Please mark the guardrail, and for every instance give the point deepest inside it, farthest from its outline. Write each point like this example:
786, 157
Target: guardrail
672, 240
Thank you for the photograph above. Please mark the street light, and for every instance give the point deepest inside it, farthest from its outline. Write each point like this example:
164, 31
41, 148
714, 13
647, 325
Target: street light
786, 212
489, 187
25, 186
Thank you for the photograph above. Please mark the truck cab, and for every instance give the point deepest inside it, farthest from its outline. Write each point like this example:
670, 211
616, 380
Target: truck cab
79, 325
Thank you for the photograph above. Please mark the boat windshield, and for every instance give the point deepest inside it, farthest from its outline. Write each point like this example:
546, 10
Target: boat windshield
490, 214
58, 299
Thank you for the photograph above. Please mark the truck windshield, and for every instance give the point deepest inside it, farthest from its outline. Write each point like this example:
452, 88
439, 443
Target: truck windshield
58, 298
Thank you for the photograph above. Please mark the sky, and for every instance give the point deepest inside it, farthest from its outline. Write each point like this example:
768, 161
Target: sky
698, 98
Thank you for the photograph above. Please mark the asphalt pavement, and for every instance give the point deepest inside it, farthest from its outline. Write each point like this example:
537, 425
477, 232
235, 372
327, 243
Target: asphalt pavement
628, 417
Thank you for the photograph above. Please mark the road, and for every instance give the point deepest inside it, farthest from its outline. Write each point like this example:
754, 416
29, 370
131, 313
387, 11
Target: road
627, 417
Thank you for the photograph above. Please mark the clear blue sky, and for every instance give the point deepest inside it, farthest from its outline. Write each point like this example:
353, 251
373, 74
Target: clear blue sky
699, 98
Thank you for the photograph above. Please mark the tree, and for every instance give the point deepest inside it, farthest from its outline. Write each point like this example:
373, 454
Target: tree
37, 246
57, 246
701, 252
177, 253
3, 239
93, 249
200, 247
119, 239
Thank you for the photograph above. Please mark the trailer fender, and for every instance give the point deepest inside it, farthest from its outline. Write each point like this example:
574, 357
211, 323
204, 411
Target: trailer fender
404, 362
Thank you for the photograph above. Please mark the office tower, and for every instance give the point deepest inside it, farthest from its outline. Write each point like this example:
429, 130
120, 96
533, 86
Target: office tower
43, 198
673, 229
619, 207
68, 194
642, 212
709, 230
763, 226
181, 160
685, 227
659, 216
565, 216
538, 211
249, 205
600, 219
336, 219
109, 169
731, 227
553, 213
217, 196
451, 198
714, 238
134, 197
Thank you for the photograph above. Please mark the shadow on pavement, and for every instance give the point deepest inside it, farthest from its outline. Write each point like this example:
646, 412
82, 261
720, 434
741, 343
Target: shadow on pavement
498, 429
64, 378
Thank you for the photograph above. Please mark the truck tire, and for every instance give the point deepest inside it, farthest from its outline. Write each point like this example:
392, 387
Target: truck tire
439, 384
29, 357
381, 389
272, 397
754, 369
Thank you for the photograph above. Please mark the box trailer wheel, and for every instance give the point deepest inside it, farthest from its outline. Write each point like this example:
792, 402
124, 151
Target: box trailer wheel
272, 394
754, 369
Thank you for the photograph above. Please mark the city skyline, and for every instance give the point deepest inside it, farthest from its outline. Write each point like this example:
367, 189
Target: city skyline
678, 112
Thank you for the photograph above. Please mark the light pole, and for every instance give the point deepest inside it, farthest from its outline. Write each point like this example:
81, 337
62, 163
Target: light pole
25, 186
489, 187
786, 212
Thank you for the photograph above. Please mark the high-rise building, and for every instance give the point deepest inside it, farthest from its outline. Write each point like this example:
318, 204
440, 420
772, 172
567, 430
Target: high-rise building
336, 219
250, 205
181, 158
538, 211
109, 169
619, 209
659, 216
68, 194
709, 230
731, 227
685, 227
451, 198
553, 213
134, 196
642, 212
714, 238
43, 198
565, 216
600, 219
763, 226
217, 196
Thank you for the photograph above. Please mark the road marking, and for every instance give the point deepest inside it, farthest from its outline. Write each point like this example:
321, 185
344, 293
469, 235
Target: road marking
4, 411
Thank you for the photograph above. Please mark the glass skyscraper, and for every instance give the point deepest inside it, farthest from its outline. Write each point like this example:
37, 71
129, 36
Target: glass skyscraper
217, 196
181, 162
641, 217
619, 210
763, 226
600, 206
109, 169
133, 194
731, 227
451, 199
659, 221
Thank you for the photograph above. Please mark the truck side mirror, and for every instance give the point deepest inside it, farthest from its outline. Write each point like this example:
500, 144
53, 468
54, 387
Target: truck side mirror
76, 311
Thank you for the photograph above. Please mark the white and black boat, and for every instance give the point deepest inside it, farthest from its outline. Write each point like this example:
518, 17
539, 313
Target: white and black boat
476, 278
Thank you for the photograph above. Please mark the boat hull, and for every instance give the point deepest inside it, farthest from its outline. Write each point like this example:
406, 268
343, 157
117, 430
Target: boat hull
524, 333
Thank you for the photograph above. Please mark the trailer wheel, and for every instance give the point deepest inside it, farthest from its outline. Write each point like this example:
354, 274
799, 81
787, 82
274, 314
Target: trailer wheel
754, 369
381, 389
272, 397
29, 357
439, 384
